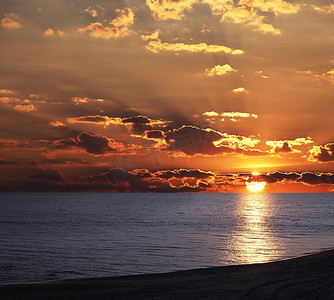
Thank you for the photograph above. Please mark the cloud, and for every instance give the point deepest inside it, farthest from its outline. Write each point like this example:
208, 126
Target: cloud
219, 70
240, 90
79, 100
157, 46
170, 9
91, 143
192, 140
25, 108
142, 180
6, 92
92, 12
275, 6
137, 124
154, 134
323, 153
238, 115
286, 146
56, 124
49, 32
9, 23
125, 18
324, 9
99, 120
119, 26
250, 12
97, 30
47, 174
248, 15
152, 36
211, 114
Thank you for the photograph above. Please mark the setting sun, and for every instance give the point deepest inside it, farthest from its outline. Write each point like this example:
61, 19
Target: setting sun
255, 186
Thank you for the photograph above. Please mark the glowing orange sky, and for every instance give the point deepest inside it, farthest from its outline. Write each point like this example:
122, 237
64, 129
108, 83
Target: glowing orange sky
93, 90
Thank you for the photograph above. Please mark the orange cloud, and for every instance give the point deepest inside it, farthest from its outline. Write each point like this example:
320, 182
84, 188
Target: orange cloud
9, 23
79, 100
157, 46
6, 92
57, 124
25, 108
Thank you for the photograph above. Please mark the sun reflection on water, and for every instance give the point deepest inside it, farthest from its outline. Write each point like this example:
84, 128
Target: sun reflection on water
253, 240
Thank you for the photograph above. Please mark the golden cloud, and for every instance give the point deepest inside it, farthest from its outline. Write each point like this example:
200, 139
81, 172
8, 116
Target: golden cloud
97, 30
219, 70
125, 18
169, 9
249, 16
240, 90
287, 145
238, 115
324, 9
92, 12
211, 114
153, 36
156, 46
275, 6
119, 26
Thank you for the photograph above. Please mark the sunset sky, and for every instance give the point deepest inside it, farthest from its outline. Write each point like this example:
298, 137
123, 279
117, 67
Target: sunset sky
166, 95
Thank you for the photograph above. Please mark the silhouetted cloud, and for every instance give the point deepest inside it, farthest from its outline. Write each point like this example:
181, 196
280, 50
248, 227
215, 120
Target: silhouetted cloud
95, 144
323, 153
47, 174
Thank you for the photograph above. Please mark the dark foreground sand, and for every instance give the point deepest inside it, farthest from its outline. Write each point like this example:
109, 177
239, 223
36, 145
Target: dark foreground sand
306, 277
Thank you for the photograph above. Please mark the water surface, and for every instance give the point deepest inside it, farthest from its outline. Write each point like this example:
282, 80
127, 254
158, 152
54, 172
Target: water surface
47, 237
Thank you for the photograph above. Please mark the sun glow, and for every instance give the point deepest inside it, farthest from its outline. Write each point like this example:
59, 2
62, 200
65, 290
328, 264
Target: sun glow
255, 186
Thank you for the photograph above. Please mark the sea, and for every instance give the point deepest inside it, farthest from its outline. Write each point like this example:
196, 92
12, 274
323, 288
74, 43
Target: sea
52, 237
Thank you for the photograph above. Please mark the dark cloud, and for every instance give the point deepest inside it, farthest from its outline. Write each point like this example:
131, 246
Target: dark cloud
193, 140
324, 153
95, 144
312, 178
284, 149
6, 162
139, 120
138, 124
154, 134
47, 174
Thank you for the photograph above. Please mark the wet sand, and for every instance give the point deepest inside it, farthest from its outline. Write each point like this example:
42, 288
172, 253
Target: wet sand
307, 277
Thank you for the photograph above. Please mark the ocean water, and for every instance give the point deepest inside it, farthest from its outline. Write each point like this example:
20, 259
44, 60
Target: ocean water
47, 237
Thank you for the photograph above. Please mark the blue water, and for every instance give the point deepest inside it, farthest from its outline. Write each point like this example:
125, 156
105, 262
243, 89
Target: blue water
46, 237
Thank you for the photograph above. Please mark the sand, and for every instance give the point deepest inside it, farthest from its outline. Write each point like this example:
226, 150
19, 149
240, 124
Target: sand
307, 277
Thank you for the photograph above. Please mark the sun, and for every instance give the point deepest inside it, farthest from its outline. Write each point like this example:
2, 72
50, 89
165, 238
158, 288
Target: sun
255, 185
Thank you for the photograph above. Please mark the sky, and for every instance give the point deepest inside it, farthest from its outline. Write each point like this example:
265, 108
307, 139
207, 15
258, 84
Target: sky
166, 96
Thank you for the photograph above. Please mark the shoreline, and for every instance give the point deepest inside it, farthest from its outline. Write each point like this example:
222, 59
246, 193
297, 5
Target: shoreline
304, 277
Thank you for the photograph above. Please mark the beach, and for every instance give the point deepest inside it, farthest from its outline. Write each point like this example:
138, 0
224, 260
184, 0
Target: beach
306, 277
